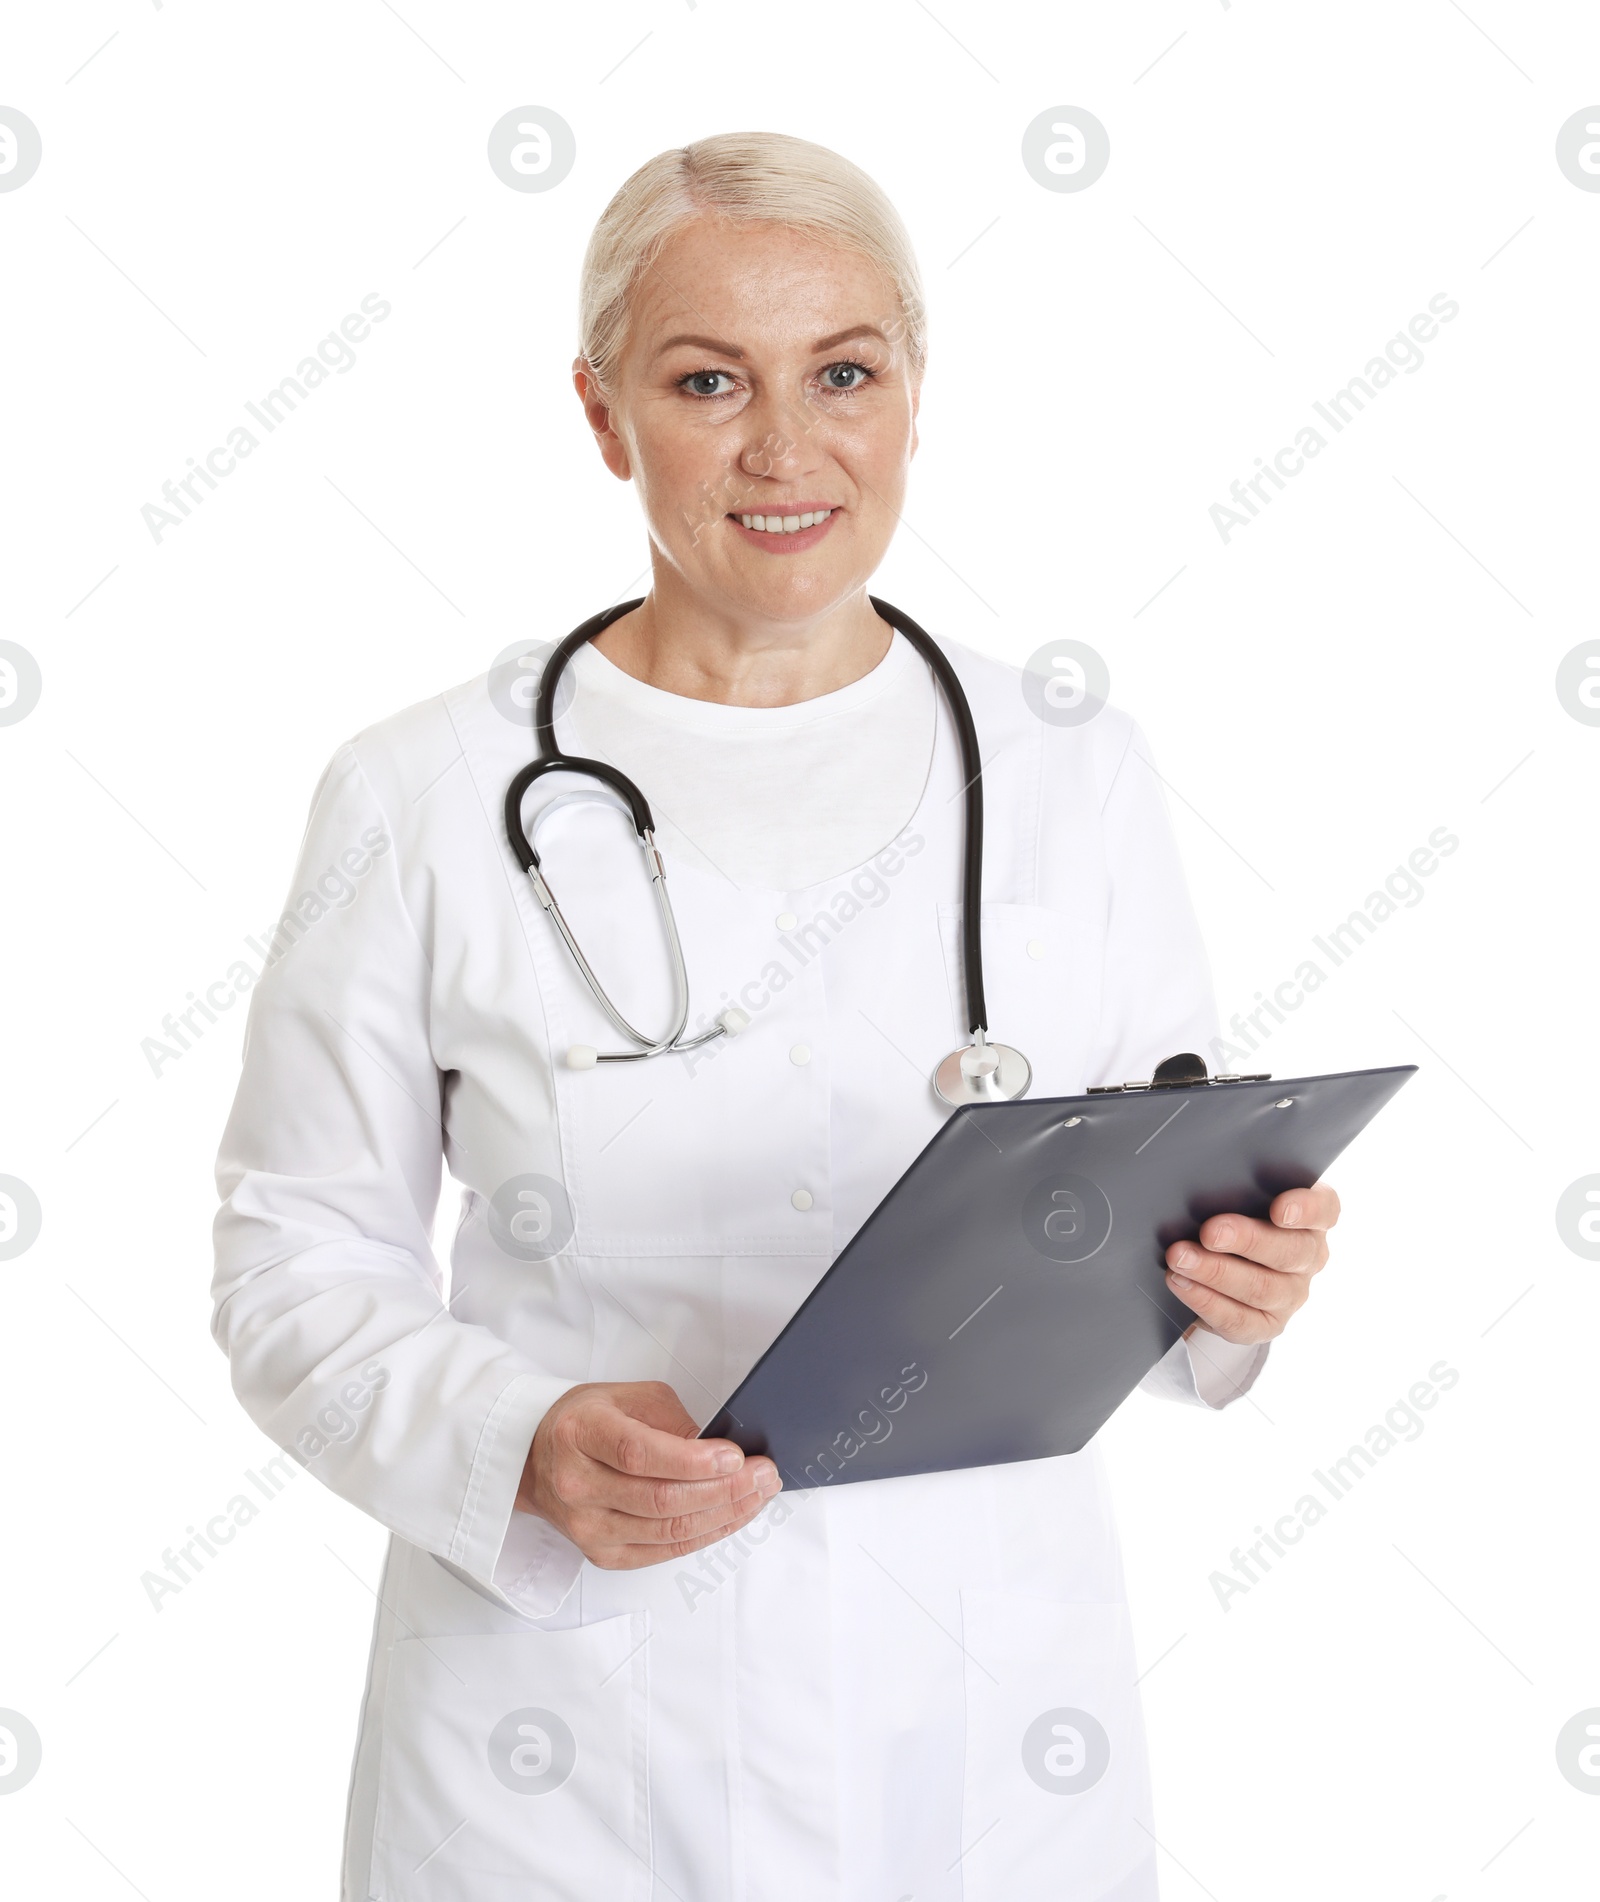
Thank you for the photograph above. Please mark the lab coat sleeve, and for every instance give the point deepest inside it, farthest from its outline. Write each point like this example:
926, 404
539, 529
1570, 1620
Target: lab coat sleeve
1157, 1000
1205, 1370
327, 1298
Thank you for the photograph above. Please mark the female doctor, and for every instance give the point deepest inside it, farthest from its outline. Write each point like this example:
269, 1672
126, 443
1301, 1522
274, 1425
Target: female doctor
612, 1661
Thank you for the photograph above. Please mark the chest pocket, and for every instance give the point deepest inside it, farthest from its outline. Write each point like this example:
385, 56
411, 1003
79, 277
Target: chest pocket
1042, 970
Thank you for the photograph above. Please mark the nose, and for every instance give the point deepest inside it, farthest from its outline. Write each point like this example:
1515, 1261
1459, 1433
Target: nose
780, 441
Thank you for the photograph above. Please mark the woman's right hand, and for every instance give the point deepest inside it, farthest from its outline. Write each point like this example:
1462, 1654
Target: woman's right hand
615, 1465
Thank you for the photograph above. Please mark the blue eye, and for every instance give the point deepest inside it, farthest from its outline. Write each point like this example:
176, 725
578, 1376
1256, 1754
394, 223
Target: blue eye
696, 382
842, 379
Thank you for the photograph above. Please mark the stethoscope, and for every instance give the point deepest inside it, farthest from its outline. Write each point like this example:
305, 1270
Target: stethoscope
979, 1072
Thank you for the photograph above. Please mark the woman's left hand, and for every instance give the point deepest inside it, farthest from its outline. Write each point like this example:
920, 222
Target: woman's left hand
1246, 1278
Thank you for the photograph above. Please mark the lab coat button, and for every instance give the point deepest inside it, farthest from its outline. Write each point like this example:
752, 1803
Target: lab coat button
1036, 947
801, 1053
801, 1199
786, 921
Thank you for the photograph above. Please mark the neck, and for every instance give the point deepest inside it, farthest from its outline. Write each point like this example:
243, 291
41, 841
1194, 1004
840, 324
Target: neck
705, 649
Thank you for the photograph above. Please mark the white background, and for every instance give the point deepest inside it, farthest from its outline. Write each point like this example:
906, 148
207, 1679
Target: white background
1366, 662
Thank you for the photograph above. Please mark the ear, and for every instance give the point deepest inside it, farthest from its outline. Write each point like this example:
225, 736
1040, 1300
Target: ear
916, 401
597, 413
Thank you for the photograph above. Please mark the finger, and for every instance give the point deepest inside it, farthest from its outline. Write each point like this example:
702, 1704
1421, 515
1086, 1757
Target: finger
1298, 1251
1317, 1208
1268, 1289
629, 1444
625, 1551
643, 1498
599, 1526
1233, 1320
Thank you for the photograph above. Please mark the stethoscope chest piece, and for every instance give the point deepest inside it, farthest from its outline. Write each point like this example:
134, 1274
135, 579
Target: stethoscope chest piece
983, 1072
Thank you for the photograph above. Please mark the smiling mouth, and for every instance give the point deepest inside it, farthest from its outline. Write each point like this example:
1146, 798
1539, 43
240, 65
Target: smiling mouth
783, 524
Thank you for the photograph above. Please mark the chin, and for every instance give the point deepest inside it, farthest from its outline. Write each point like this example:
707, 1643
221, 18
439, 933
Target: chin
791, 597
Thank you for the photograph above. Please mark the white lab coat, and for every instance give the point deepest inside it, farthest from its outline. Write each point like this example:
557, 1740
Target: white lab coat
836, 1705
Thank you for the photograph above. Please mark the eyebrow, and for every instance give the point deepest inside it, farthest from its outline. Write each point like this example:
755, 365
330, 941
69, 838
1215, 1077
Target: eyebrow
723, 349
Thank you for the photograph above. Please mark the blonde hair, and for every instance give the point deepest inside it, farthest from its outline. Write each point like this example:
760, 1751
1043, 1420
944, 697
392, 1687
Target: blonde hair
756, 176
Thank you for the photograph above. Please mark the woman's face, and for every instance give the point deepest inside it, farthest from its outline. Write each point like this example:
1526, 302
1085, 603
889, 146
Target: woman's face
765, 376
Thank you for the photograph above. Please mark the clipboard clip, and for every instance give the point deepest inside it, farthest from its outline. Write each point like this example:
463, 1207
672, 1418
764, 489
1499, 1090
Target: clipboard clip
1185, 1071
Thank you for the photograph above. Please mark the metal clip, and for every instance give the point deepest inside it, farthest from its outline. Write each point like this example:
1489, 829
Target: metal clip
1185, 1071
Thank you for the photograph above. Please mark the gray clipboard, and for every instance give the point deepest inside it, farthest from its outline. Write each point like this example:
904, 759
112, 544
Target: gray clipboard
1008, 1293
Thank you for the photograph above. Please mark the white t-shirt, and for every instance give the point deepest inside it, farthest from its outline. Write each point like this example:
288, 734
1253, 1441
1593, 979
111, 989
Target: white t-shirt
777, 798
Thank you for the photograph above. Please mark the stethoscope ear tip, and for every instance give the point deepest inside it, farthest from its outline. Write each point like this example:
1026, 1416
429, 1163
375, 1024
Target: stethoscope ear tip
734, 1020
582, 1056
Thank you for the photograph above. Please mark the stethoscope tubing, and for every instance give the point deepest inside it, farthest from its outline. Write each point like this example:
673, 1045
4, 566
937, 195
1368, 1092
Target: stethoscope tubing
551, 759
972, 790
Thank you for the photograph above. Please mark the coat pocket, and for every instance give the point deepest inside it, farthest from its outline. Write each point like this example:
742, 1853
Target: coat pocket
514, 1765
1055, 1793
1042, 974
